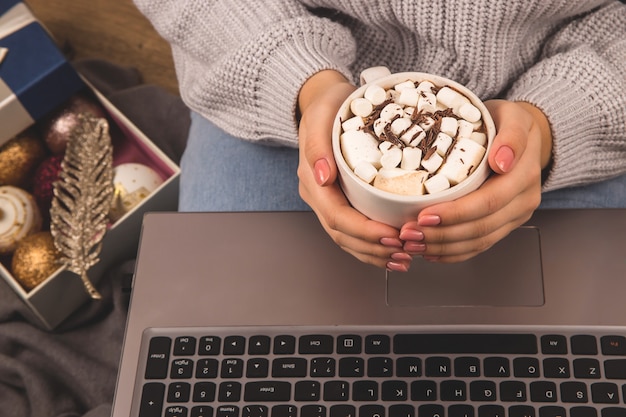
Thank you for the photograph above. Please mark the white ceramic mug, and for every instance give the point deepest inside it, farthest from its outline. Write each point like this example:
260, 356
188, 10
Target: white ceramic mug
387, 207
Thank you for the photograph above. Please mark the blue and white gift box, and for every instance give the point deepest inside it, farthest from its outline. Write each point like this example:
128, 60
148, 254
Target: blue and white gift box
35, 77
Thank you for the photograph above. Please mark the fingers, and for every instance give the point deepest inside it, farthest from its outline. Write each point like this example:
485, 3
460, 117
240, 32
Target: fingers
510, 141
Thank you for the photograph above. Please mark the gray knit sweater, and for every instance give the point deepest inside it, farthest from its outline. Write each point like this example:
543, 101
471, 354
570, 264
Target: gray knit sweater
241, 63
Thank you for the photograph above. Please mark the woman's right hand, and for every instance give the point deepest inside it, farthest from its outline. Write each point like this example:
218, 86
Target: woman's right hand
369, 241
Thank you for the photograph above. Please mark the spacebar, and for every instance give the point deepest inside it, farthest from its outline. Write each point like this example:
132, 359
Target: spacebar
513, 343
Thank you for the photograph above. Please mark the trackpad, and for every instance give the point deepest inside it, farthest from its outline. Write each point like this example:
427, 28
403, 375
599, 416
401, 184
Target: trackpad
508, 274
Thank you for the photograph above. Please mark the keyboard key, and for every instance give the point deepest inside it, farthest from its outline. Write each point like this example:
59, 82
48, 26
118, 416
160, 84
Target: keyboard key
574, 392
351, 367
365, 391
465, 343
227, 411
182, 369
552, 411
394, 391
553, 344
316, 344
152, 395
285, 411
336, 391
586, 368
483, 391
604, 393
613, 345
322, 367
257, 368
313, 411
176, 411
371, 411
423, 391
513, 391
430, 410
453, 391
615, 369
204, 392
526, 367
543, 392
158, 358
349, 344
234, 345
379, 367
614, 412
584, 345
284, 345
232, 368
207, 368
342, 410
254, 411
267, 391
229, 392
184, 346
498, 367
402, 410
438, 366
259, 345
467, 366
377, 344
460, 410
202, 411
307, 391
583, 412
209, 345
491, 411
409, 367
521, 411
178, 392
556, 368
289, 367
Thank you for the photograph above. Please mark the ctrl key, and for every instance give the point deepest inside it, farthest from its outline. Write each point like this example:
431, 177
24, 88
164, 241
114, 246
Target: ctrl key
152, 396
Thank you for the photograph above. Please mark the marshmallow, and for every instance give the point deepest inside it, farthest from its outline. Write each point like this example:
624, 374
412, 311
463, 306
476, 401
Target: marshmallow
401, 125
455, 171
391, 158
442, 143
427, 124
404, 85
426, 86
353, 123
411, 158
436, 183
399, 181
391, 111
449, 126
465, 129
469, 112
375, 94
379, 126
409, 97
451, 98
479, 137
358, 146
427, 103
366, 171
432, 163
385, 145
361, 107
413, 135
468, 152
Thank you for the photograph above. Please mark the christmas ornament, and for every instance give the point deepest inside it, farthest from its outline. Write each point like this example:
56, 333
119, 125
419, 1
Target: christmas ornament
44, 177
133, 182
58, 128
82, 197
19, 157
19, 217
34, 260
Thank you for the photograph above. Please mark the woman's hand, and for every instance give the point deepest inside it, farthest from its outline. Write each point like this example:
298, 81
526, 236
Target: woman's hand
369, 241
458, 230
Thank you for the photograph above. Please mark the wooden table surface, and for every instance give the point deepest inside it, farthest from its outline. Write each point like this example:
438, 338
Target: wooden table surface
113, 30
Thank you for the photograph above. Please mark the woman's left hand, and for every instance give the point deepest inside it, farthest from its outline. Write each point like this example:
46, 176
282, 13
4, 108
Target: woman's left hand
458, 230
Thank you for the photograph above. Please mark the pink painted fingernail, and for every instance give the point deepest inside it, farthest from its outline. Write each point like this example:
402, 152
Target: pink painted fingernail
504, 158
397, 266
411, 234
401, 256
414, 247
391, 242
429, 220
321, 171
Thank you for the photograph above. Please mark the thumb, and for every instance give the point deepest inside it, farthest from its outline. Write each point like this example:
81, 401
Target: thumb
511, 135
316, 146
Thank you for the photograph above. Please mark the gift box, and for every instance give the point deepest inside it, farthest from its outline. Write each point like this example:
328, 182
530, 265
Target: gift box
62, 293
35, 77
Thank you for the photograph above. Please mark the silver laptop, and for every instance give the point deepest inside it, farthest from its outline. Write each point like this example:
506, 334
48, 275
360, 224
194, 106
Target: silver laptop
261, 314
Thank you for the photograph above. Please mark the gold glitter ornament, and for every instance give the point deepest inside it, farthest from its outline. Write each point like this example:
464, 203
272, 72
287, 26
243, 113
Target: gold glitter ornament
19, 157
34, 260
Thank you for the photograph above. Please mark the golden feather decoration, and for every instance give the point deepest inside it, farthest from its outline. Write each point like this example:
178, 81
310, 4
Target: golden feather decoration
82, 198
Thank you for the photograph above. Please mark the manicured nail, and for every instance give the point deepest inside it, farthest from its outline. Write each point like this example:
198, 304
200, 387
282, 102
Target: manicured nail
414, 247
397, 266
391, 242
321, 171
431, 258
412, 234
429, 220
504, 158
401, 256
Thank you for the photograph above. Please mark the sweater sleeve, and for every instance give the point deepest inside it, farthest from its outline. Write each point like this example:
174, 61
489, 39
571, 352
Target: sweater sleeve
242, 66
580, 84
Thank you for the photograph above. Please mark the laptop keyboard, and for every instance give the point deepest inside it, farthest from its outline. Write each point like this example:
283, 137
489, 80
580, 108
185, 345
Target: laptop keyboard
340, 371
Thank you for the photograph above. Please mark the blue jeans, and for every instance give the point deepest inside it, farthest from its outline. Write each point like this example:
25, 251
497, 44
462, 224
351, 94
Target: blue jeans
223, 173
